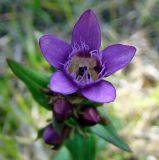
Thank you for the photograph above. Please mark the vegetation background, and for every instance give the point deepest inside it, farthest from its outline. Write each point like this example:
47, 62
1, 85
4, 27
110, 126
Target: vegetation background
136, 110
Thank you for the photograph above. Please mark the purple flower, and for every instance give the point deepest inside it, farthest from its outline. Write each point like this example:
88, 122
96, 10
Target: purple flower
81, 65
62, 110
89, 117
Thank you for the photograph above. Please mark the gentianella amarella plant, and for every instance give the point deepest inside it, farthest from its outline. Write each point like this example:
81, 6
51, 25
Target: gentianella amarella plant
78, 86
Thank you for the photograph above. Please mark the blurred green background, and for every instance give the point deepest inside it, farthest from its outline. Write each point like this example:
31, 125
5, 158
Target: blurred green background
136, 110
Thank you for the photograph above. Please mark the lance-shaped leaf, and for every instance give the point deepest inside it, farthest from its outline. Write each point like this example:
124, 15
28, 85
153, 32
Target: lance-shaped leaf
109, 134
35, 81
82, 148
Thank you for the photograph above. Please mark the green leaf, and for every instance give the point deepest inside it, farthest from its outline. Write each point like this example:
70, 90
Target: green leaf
109, 134
35, 81
82, 148
63, 154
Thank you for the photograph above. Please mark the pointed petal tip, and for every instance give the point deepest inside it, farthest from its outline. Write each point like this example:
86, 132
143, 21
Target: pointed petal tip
131, 49
83, 29
42, 38
89, 11
126, 46
134, 49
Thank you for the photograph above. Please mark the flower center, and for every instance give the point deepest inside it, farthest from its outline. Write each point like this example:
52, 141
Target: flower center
83, 69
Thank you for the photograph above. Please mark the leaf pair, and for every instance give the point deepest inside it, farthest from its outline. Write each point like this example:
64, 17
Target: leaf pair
80, 148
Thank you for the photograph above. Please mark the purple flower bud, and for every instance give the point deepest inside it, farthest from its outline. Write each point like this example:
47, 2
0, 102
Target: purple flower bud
89, 117
62, 110
51, 136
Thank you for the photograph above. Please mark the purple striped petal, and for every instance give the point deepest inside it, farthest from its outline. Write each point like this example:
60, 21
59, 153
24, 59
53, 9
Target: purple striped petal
87, 30
60, 83
54, 50
102, 92
116, 57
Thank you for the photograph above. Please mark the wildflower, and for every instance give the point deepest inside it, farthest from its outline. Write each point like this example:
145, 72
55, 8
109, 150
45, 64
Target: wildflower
62, 110
81, 65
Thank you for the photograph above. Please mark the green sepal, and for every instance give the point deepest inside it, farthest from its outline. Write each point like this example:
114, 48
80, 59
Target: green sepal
91, 104
40, 133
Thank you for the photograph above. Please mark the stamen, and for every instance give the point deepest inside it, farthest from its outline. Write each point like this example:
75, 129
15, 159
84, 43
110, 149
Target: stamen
82, 70
82, 47
100, 73
94, 53
83, 65
84, 77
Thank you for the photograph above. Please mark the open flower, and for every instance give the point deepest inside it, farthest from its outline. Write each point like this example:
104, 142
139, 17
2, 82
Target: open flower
81, 65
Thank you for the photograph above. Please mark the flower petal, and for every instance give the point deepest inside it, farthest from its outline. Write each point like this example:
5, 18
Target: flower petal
102, 92
87, 30
54, 50
116, 57
60, 83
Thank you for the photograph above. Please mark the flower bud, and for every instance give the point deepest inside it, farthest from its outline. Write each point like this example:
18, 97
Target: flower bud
54, 138
51, 136
89, 117
62, 110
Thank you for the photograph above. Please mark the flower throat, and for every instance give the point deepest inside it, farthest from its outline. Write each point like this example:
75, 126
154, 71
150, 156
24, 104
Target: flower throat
83, 69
